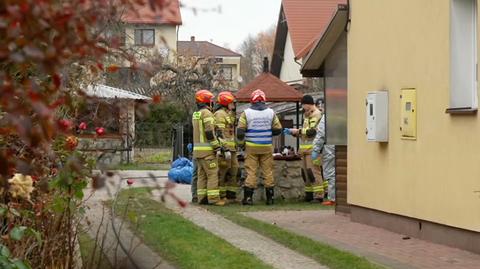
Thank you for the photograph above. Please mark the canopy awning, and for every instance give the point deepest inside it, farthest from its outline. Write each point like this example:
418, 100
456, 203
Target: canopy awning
312, 63
104, 91
275, 89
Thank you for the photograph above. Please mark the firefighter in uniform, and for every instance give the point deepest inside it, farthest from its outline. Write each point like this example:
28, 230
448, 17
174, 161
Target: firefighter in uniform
311, 173
257, 125
205, 146
225, 131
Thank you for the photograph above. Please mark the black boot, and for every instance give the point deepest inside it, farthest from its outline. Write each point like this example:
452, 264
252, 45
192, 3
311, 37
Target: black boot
231, 195
269, 193
308, 196
247, 196
203, 201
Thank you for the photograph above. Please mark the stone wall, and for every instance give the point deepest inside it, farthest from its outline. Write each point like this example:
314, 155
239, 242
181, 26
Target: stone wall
289, 184
111, 148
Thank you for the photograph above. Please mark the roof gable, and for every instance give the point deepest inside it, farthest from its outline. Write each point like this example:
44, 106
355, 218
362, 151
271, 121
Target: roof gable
275, 89
143, 14
203, 48
306, 19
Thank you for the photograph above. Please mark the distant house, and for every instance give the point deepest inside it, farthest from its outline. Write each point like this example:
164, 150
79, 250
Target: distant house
227, 60
153, 31
147, 35
300, 22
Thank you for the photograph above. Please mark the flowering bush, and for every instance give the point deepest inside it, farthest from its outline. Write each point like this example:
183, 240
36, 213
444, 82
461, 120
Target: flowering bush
49, 51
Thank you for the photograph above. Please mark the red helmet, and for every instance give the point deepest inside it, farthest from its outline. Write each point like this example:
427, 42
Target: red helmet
204, 97
257, 96
225, 98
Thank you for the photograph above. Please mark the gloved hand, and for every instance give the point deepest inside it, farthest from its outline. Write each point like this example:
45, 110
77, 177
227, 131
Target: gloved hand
314, 155
190, 147
228, 155
241, 146
287, 131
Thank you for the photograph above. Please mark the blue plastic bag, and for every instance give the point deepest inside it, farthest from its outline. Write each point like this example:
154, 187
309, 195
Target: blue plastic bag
181, 162
181, 171
181, 175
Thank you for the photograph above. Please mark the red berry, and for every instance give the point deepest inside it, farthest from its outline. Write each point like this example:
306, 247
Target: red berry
82, 126
64, 125
100, 130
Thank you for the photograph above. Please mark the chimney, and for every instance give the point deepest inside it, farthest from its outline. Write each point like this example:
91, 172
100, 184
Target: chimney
192, 38
265, 65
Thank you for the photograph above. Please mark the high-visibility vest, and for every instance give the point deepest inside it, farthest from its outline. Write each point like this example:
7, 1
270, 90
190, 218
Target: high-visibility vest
310, 122
203, 121
225, 123
259, 127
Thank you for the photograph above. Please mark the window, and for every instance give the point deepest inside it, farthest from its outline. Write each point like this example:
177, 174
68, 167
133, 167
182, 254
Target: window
463, 55
144, 37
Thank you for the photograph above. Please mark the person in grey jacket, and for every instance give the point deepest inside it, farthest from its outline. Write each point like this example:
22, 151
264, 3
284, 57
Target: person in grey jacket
327, 153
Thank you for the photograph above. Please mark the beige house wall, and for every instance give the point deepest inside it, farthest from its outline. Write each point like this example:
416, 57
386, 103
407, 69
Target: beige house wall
290, 71
165, 39
233, 62
394, 45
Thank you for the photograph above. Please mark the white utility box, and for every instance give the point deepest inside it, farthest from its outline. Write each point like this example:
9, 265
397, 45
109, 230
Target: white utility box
377, 116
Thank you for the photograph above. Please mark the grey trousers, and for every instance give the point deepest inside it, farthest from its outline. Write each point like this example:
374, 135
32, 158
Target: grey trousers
328, 165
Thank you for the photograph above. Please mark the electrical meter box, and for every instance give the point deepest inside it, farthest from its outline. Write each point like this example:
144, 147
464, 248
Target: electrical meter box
377, 116
408, 124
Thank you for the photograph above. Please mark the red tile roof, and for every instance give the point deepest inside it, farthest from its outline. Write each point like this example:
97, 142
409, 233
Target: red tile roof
306, 19
275, 89
203, 48
143, 14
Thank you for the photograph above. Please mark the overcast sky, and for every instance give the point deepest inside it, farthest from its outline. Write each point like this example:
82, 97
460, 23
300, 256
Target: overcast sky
237, 19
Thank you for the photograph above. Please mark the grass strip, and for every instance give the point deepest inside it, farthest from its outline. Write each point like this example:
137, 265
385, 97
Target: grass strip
142, 166
322, 253
90, 259
178, 240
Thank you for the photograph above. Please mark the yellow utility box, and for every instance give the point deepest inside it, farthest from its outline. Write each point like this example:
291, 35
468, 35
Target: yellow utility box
408, 113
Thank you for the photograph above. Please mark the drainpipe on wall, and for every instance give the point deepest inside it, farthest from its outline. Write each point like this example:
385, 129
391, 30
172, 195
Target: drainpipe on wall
176, 45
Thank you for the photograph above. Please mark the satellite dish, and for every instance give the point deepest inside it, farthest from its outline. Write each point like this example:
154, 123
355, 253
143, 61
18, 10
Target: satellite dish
240, 79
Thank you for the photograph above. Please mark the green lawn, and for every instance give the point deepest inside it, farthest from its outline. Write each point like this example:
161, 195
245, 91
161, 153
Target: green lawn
178, 240
324, 254
91, 259
164, 156
142, 166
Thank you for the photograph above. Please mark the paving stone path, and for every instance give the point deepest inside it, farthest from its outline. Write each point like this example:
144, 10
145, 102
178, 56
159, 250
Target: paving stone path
387, 248
262, 247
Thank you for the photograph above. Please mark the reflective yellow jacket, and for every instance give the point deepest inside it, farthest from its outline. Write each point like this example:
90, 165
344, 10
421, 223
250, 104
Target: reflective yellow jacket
309, 130
204, 140
225, 128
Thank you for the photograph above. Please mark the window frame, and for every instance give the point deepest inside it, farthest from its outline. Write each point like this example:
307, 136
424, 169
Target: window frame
141, 43
458, 70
